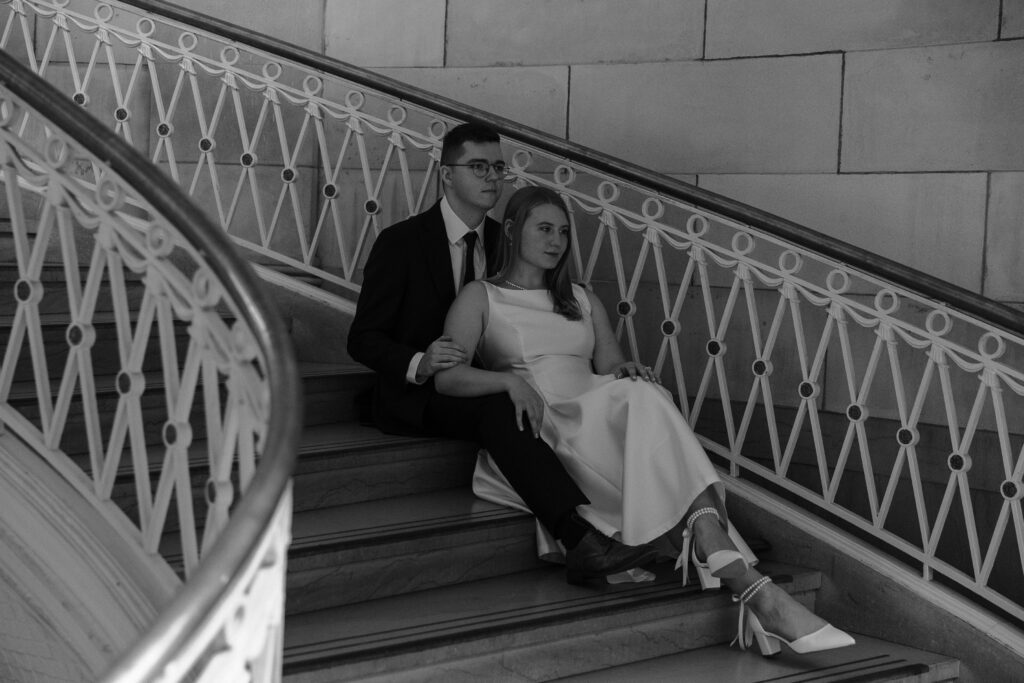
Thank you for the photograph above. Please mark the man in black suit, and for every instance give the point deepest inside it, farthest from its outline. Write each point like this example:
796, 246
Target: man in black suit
411, 277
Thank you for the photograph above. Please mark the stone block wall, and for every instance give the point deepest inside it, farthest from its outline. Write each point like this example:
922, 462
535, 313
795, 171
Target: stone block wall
882, 122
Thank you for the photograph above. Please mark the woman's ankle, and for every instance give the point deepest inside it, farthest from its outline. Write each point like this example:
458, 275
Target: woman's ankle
780, 613
710, 537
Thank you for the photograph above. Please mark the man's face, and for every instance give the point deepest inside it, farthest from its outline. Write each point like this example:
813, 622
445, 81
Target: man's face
462, 185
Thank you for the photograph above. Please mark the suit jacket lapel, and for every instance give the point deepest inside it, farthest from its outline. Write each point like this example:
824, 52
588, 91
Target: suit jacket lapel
492, 237
437, 254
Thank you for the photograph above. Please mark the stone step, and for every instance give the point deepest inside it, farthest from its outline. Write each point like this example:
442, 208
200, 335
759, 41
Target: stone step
336, 392
348, 463
525, 626
365, 551
868, 661
338, 465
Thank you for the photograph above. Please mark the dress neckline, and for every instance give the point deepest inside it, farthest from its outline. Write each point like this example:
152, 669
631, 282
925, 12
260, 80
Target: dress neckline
516, 289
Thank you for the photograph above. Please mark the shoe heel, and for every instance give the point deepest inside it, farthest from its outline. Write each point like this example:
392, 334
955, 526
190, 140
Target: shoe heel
767, 644
708, 581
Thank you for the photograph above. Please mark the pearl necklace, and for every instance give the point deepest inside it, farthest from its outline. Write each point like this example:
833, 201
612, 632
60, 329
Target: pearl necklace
514, 285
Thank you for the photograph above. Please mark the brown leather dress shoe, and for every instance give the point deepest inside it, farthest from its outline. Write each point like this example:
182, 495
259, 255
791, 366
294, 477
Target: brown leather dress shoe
597, 556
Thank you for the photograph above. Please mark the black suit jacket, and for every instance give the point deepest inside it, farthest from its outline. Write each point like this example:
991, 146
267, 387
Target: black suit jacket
407, 288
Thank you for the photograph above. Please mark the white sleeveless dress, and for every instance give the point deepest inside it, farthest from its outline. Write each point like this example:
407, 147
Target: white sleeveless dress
623, 441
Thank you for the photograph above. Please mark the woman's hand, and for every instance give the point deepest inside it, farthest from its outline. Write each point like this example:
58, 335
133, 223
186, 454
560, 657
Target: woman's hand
525, 399
634, 371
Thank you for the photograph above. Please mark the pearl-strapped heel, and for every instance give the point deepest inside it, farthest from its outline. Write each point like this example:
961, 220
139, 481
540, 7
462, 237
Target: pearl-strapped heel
721, 564
749, 630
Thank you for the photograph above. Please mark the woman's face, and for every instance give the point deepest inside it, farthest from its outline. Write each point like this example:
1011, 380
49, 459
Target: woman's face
545, 237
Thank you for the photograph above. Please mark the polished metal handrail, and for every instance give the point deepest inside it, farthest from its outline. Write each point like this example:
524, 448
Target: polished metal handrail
133, 198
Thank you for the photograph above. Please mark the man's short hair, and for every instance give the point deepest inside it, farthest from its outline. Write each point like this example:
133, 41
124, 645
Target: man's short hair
479, 133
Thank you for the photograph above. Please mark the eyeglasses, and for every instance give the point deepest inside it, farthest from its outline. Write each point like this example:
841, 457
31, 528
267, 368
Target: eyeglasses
481, 168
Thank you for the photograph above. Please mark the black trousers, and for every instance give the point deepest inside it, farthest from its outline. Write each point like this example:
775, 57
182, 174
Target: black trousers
529, 464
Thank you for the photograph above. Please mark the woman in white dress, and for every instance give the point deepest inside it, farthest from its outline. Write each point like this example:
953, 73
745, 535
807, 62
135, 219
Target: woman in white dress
549, 344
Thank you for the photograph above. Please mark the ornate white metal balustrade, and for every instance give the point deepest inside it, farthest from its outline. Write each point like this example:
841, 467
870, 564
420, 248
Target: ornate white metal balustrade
166, 365
888, 399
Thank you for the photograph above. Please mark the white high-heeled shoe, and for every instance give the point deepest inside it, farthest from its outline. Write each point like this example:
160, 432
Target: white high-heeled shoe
828, 637
720, 564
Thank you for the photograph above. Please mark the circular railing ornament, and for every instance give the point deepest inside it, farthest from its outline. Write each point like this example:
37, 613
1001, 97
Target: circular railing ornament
938, 323
130, 383
958, 462
188, 41
159, 241
80, 335
608, 192
397, 115
229, 55
56, 152
564, 175
907, 436
109, 193
856, 413
808, 390
1011, 490
838, 282
28, 291
991, 346
272, 70
697, 225
177, 433
355, 99
652, 209
887, 302
219, 492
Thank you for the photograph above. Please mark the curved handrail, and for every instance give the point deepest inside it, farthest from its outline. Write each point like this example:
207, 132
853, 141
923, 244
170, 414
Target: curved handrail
254, 513
967, 301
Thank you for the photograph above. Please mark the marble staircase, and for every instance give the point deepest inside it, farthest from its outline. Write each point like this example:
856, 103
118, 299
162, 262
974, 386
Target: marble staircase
398, 573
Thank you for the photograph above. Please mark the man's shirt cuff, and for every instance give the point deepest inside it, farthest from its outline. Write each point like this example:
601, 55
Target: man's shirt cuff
414, 364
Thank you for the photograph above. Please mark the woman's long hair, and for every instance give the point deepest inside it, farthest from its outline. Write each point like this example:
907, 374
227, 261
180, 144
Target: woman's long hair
518, 209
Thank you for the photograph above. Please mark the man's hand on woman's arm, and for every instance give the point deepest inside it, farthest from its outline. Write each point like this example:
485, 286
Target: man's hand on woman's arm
443, 353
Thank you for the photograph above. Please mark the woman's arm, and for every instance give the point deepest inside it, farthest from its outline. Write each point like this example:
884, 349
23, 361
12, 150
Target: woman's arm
465, 324
608, 356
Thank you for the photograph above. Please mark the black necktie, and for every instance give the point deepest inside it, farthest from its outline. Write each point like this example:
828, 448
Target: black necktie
470, 271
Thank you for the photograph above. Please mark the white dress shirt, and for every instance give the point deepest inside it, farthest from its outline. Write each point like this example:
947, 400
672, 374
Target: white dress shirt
456, 229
